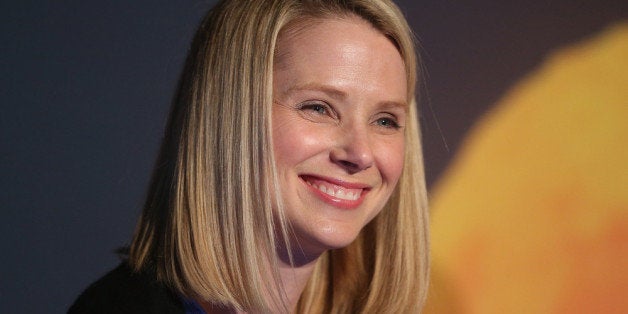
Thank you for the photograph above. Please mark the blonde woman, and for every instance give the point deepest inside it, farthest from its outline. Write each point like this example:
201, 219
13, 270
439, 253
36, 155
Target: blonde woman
290, 177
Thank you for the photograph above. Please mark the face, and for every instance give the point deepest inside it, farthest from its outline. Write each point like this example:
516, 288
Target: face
338, 117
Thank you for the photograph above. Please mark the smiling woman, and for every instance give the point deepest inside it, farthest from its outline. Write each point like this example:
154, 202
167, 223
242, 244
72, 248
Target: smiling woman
290, 178
338, 141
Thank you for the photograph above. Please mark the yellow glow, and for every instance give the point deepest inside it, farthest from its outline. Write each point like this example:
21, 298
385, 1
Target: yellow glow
532, 216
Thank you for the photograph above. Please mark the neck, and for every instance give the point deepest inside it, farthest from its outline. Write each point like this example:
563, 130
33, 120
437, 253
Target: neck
293, 278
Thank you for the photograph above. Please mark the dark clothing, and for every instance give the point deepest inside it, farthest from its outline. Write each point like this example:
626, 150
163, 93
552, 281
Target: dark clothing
125, 291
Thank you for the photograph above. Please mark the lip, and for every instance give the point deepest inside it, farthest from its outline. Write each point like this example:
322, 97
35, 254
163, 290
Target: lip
340, 184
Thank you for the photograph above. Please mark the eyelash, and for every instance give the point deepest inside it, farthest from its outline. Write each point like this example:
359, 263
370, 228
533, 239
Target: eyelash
317, 107
389, 122
393, 122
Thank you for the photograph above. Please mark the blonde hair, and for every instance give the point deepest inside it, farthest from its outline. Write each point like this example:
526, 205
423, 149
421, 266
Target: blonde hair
211, 218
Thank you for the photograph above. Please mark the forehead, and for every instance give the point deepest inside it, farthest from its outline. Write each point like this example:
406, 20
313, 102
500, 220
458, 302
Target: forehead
307, 25
340, 50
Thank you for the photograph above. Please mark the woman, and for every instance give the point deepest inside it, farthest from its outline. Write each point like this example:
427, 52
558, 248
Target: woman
290, 178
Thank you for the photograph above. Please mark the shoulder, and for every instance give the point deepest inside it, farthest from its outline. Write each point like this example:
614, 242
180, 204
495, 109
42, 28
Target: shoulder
124, 291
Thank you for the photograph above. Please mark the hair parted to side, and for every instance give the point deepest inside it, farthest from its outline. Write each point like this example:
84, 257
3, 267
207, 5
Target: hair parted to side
213, 215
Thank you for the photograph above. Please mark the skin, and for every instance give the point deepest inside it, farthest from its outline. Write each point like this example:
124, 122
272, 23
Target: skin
338, 121
339, 89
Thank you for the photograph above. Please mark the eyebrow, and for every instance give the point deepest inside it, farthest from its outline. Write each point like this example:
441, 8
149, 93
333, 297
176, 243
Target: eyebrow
338, 94
329, 90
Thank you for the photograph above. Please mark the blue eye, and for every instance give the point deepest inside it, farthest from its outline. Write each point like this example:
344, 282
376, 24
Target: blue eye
317, 108
388, 123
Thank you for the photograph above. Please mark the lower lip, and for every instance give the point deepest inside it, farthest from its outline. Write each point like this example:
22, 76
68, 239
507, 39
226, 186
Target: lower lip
337, 202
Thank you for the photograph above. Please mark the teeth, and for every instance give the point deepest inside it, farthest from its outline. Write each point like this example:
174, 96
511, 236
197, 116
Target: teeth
341, 194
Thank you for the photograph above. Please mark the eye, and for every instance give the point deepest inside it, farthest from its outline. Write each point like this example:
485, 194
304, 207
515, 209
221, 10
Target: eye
316, 107
317, 111
388, 122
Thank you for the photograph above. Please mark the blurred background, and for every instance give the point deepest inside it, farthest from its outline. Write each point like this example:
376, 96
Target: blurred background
524, 119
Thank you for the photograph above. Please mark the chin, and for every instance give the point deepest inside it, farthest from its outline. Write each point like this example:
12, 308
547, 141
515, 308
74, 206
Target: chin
324, 238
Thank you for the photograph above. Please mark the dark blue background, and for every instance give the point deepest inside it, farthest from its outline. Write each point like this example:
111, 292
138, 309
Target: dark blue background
85, 89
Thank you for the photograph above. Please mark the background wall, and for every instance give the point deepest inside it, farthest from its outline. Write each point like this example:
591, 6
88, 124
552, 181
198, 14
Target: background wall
86, 86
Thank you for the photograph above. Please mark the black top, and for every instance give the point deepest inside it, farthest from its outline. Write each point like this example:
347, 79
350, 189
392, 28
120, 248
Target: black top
124, 291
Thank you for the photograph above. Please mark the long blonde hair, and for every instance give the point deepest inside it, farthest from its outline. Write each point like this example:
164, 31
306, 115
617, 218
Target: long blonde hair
210, 221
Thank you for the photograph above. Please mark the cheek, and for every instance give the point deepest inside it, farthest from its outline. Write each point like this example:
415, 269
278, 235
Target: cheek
391, 160
295, 142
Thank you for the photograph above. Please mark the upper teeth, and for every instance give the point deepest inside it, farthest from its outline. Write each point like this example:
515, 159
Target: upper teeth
339, 193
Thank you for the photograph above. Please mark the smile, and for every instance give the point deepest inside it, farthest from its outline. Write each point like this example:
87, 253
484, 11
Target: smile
337, 193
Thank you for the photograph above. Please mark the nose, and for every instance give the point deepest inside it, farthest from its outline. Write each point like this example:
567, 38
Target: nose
352, 150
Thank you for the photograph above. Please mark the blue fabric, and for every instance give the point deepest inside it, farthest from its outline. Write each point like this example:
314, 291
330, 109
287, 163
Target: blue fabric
191, 306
